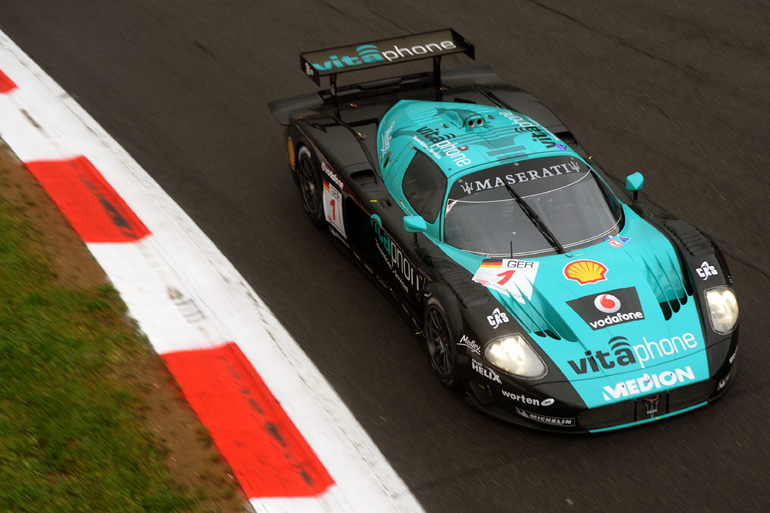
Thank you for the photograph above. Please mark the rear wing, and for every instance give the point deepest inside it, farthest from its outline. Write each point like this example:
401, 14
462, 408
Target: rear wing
360, 56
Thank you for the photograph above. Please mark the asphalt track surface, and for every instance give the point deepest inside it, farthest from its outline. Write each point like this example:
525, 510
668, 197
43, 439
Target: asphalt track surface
677, 90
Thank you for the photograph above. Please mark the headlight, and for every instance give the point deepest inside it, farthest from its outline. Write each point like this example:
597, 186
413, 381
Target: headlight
513, 355
723, 309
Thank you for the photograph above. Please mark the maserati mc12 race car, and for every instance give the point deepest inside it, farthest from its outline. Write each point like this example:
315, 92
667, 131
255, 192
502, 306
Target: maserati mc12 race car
542, 285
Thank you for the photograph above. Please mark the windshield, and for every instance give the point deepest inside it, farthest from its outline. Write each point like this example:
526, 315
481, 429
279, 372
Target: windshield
483, 214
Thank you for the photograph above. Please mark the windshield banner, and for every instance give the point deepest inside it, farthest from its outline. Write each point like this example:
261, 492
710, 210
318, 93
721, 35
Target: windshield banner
534, 176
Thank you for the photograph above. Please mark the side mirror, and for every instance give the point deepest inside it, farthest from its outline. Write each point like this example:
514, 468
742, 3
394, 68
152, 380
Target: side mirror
415, 224
635, 182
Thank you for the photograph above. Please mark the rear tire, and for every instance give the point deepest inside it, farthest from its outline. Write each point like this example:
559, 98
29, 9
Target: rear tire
310, 188
441, 342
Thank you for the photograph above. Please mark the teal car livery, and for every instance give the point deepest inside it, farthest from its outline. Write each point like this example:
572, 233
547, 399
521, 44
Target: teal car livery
544, 288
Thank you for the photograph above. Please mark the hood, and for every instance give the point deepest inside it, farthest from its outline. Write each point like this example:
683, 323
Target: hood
608, 314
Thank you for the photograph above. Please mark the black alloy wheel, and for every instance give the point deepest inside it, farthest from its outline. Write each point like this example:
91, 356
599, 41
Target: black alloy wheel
442, 348
309, 180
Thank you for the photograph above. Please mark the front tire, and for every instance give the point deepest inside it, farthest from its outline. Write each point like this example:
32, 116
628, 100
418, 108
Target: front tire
441, 342
310, 188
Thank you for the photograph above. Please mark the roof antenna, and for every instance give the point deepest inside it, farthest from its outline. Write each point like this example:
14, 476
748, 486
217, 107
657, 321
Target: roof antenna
511, 249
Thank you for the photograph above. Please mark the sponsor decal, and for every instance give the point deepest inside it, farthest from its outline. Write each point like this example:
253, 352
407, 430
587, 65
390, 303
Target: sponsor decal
370, 54
705, 270
585, 271
723, 382
623, 354
406, 273
433, 136
386, 137
485, 371
607, 303
473, 186
450, 149
427, 148
509, 276
616, 242
332, 201
524, 125
544, 419
609, 308
527, 400
732, 358
332, 176
470, 344
648, 382
497, 318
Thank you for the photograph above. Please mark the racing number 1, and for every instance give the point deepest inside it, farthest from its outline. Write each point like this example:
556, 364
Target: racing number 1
332, 207
506, 276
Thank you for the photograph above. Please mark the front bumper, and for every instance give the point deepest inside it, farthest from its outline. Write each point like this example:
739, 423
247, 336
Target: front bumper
631, 412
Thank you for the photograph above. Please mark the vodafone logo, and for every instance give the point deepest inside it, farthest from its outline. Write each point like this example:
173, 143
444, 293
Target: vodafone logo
607, 303
609, 308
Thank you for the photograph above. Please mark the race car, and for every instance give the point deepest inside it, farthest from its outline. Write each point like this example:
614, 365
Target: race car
544, 288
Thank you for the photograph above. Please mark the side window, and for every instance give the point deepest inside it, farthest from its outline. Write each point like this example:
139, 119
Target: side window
424, 186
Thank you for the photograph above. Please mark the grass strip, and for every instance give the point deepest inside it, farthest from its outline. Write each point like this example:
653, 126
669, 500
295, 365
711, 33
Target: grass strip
71, 432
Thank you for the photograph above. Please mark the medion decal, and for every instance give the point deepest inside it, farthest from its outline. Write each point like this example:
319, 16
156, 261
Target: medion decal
369, 54
648, 382
622, 353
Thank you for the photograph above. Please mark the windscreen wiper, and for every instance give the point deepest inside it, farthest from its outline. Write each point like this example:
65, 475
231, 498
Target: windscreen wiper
532, 215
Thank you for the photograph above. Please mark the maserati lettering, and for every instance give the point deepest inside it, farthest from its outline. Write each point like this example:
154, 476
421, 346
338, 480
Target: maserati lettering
523, 176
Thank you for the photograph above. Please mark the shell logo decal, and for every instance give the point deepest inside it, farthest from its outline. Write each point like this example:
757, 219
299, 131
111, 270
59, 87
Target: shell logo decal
585, 271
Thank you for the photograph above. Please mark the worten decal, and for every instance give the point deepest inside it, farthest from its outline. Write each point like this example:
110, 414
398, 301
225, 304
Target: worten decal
527, 400
585, 271
609, 308
622, 354
405, 272
509, 276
